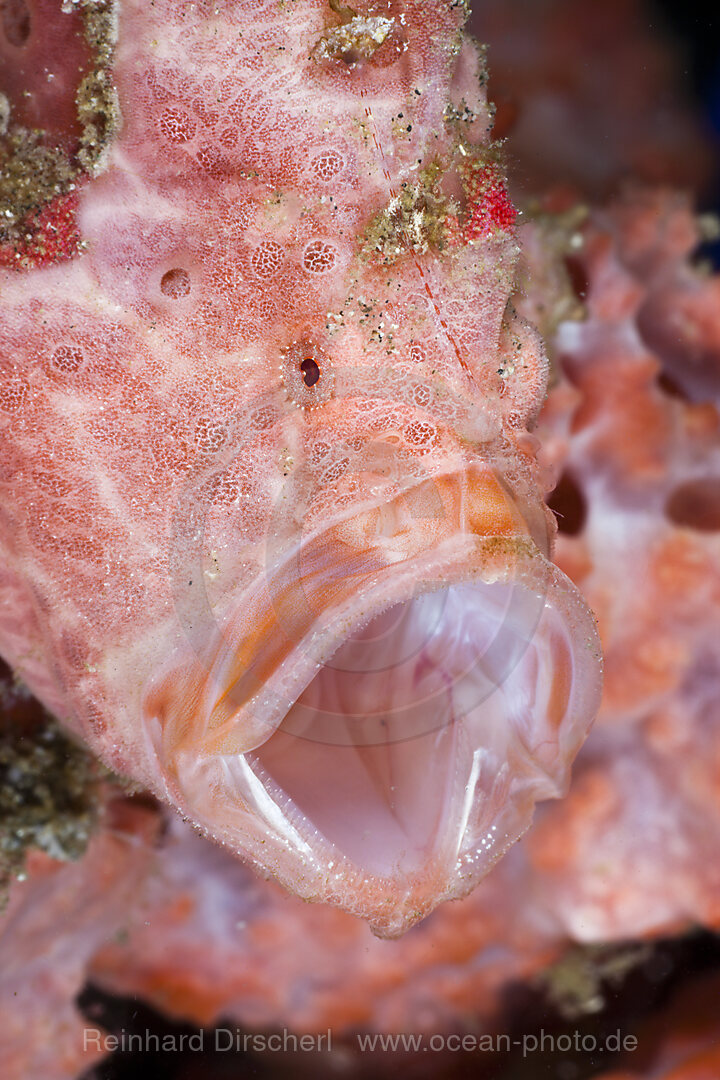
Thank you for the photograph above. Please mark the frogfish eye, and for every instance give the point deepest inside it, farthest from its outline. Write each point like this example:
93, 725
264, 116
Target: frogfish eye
307, 373
310, 371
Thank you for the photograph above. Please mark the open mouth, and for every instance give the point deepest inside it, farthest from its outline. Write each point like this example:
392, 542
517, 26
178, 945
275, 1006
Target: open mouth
383, 743
375, 721
383, 752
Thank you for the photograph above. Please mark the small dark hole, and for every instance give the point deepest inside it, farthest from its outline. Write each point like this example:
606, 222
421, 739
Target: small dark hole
696, 504
310, 372
579, 279
175, 283
15, 21
568, 504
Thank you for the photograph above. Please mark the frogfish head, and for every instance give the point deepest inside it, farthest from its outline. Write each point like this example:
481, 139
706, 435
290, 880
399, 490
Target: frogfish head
272, 535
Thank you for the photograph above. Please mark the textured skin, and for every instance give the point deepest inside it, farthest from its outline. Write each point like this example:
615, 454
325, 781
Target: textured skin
630, 851
195, 521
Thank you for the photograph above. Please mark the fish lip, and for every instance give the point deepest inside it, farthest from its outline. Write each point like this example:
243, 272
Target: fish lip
217, 781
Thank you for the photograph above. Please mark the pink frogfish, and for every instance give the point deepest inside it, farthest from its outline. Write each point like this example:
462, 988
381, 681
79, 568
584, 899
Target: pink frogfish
272, 527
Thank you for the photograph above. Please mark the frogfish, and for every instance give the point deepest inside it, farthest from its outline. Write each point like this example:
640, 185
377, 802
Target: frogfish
273, 540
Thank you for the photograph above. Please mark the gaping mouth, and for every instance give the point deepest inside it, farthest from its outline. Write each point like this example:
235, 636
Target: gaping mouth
376, 731
408, 724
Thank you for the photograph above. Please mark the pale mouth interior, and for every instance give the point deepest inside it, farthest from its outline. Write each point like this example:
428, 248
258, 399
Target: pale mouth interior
379, 752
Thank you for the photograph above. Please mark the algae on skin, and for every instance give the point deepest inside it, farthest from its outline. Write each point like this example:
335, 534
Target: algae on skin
357, 38
415, 220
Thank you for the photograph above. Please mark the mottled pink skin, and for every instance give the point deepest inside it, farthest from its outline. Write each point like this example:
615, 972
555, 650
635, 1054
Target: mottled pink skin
193, 530
630, 851
633, 848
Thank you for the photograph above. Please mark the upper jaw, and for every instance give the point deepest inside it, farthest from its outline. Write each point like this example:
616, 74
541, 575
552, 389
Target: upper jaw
376, 722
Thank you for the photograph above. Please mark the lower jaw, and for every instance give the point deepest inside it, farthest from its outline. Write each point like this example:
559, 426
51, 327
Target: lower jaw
374, 731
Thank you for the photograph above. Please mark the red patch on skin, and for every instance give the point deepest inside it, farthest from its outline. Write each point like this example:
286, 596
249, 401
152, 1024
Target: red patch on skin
488, 204
50, 237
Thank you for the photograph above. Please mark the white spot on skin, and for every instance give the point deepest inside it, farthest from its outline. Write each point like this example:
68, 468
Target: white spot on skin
362, 35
